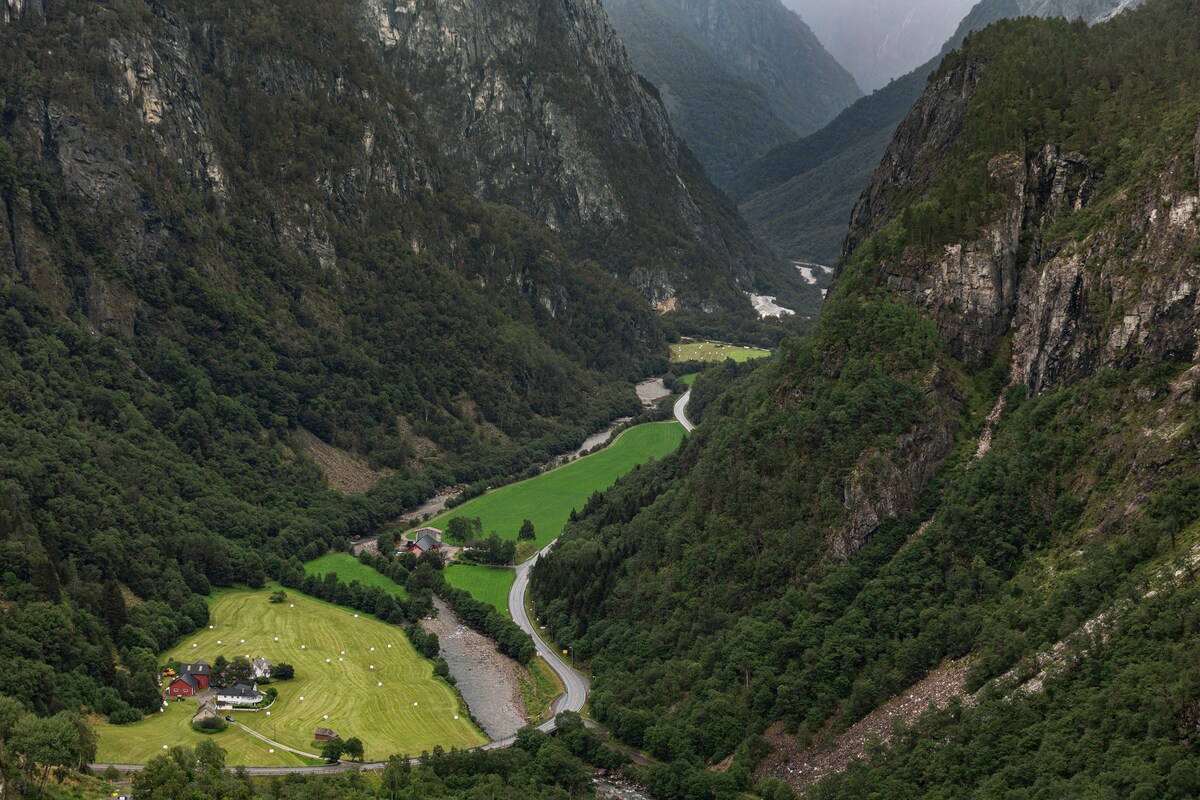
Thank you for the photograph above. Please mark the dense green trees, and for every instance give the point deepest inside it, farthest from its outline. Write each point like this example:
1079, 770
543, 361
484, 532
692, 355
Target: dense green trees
719, 591
539, 767
31, 747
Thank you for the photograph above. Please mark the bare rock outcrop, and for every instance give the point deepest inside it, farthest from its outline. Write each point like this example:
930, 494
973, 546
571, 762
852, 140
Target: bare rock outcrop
1072, 308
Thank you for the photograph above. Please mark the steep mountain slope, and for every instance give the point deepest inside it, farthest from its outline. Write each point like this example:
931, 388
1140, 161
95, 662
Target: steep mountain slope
736, 75
987, 451
787, 196
213, 233
880, 40
725, 118
537, 106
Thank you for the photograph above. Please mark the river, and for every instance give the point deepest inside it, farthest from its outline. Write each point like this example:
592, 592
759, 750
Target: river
485, 677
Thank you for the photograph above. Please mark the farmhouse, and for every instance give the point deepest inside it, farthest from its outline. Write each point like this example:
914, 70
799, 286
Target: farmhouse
425, 540
324, 735
243, 694
262, 668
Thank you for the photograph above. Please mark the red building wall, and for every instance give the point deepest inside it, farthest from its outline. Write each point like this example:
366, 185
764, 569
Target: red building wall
180, 687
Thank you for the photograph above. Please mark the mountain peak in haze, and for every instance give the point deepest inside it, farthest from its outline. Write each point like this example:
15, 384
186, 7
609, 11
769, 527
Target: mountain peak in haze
878, 40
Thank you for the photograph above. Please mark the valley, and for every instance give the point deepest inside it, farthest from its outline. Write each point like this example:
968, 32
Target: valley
599, 398
547, 500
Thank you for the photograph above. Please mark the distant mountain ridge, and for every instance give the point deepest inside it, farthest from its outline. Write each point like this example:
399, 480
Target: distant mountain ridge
798, 197
880, 40
738, 76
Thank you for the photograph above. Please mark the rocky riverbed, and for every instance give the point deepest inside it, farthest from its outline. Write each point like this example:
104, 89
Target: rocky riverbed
486, 679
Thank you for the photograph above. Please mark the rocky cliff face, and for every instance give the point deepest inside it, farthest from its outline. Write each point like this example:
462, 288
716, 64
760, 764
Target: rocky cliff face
537, 106
764, 40
1073, 308
16, 9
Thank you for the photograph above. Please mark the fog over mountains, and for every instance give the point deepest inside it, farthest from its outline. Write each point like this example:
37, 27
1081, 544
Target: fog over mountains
878, 40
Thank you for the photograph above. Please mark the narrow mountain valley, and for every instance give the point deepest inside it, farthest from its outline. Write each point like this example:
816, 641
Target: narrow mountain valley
738, 77
799, 195
309, 312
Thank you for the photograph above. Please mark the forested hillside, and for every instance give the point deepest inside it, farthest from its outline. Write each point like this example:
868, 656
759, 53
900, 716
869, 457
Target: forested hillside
537, 105
212, 235
980, 473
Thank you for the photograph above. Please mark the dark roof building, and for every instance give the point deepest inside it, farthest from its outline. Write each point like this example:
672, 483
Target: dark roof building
324, 735
243, 694
199, 672
426, 543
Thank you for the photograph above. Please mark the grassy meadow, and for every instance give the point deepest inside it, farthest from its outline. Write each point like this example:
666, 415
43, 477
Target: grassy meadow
547, 500
411, 712
142, 741
486, 584
714, 351
349, 569
690, 378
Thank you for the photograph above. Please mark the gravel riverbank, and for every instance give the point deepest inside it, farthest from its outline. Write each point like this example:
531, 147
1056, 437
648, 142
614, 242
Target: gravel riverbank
486, 679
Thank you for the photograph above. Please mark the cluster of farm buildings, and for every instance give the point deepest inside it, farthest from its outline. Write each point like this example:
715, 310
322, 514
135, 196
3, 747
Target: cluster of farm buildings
424, 540
196, 678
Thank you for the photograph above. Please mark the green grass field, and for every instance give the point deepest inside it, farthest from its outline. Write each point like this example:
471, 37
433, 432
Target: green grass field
411, 712
142, 741
690, 378
714, 351
486, 584
349, 569
547, 499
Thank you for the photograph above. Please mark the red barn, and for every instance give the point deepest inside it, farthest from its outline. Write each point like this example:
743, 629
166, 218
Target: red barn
183, 686
200, 671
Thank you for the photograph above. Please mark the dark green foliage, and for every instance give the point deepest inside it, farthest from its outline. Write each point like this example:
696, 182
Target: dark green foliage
368, 599
1133, 703
333, 749
210, 725
527, 532
32, 746
714, 593
463, 529
1043, 83
146, 455
352, 749
282, 671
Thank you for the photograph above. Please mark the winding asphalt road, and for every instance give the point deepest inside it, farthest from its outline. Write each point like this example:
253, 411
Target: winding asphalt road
577, 686
681, 411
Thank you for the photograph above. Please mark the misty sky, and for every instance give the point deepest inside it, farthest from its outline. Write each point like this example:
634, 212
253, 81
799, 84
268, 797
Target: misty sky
877, 40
